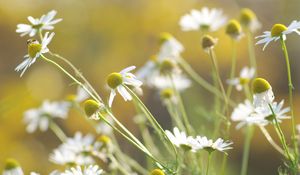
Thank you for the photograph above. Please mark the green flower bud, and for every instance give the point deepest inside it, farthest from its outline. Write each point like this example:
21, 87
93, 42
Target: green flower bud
164, 37
260, 85
233, 28
277, 30
33, 47
157, 172
11, 164
247, 16
91, 107
208, 42
114, 80
167, 93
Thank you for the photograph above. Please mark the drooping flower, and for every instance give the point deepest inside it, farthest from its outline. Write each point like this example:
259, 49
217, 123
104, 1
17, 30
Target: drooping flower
12, 167
246, 75
35, 49
117, 80
180, 82
249, 20
234, 29
279, 112
210, 145
42, 116
170, 47
157, 172
179, 139
208, 42
46, 22
88, 170
262, 92
277, 31
204, 19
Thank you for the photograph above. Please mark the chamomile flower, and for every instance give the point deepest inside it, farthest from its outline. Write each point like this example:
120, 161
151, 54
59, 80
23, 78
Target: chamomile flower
277, 31
42, 116
210, 145
279, 111
88, 170
249, 20
117, 80
170, 47
46, 22
262, 92
35, 49
12, 167
246, 75
160, 82
179, 139
204, 19
234, 29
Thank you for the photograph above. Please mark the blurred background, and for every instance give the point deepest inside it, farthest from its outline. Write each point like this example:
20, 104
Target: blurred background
102, 36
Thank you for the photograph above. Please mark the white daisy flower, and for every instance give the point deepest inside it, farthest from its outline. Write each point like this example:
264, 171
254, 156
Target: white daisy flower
262, 92
245, 114
12, 167
210, 146
42, 116
117, 80
205, 19
246, 75
170, 47
279, 111
249, 20
179, 139
35, 49
277, 31
77, 150
88, 170
46, 22
160, 82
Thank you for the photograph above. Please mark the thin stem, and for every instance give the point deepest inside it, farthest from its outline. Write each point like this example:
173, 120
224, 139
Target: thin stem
202, 82
208, 163
251, 51
174, 116
58, 131
246, 151
271, 141
294, 139
233, 67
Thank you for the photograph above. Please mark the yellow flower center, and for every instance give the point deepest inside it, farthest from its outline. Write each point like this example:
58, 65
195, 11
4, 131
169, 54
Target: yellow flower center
114, 80
33, 47
164, 37
91, 107
244, 81
166, 93
233, 28
247, 16
157, 172
277, 30
104, 139
11, 164
260, 85
166, 66
208, 42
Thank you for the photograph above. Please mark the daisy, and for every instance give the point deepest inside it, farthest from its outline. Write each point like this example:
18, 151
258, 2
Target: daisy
210, 146
279, 111
46, 22
12, 167
262, 92
246, 75
88, 170
234, 29
160, 82
179, 139
278, 31
35, 49
170, 47
249, 20
245, 114
42, 116
205, 20
117, 80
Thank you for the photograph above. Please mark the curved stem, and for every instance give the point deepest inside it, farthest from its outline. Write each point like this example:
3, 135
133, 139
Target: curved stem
246, 151
58, 131
251, 51
233, 67
271, 141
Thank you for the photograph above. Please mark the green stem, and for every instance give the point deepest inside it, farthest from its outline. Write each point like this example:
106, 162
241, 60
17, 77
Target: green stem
246, 151
208, 163
58, 131
175, 116
294, 139
271, 141
233, 67
251, 51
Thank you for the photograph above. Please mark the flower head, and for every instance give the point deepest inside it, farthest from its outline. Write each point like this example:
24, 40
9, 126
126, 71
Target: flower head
262, 92
249, 20
157, 172
35, 49
179, 139
12, 167
234, 29
278, 31
42, 116
208, 42
91, 108
245, 77
204, 19
88, 170
117, 80
46, 22
209, 145
170, 47
279, 112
